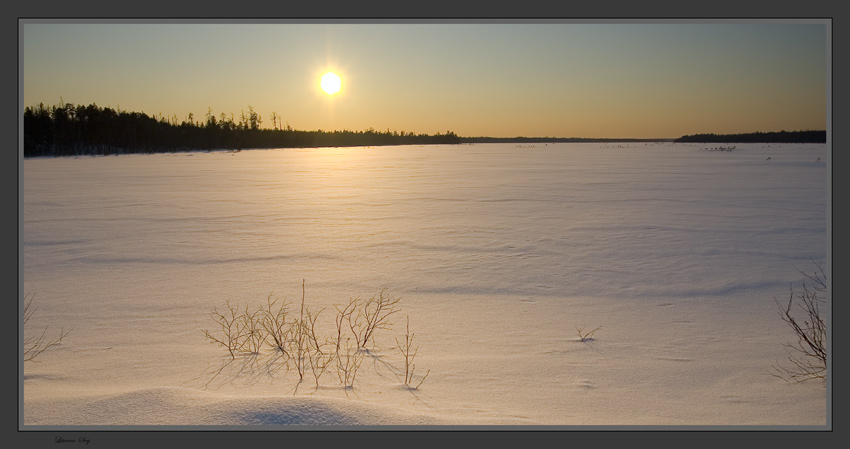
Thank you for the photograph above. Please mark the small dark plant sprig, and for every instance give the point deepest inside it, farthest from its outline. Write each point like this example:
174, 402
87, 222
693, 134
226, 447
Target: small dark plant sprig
807, 356
586, 336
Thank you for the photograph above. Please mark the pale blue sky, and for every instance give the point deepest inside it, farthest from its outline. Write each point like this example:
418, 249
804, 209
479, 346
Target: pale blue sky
531, 79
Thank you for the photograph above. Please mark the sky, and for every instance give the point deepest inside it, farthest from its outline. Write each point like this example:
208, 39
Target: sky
498, 79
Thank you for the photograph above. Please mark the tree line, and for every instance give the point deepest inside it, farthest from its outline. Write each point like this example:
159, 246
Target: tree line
522, 139
760, 137
67, 129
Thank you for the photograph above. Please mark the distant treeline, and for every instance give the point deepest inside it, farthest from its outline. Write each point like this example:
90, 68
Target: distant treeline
551, 140
759, 137
66, 130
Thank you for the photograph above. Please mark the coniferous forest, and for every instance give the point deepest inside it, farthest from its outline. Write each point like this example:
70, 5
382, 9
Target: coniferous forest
67, 130
759, 137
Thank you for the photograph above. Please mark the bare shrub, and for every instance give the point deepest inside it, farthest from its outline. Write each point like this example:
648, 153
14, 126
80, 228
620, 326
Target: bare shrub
409, 366
349, 358
319, 357
273, 320
35, 345
231, 329
343, 315
299, 341
255, 333
366, 316
807, 356
586, 336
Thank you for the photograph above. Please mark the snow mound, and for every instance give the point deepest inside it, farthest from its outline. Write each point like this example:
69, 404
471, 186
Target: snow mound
188, 407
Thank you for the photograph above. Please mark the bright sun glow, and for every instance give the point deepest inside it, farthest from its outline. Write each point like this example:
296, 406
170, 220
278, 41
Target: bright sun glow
330, 83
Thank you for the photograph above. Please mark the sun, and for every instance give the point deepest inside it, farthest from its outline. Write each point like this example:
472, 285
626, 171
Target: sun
331, 83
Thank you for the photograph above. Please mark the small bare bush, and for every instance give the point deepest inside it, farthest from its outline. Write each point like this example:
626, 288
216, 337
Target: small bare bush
255, 334
349, 358
274, 321
232, 332
409, 366
309, 351
319, 357
807, 356
367, 316
319, 362
299, 341
35, 345
586, 336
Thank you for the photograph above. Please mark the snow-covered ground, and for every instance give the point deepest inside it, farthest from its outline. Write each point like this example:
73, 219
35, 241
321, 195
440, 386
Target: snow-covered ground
498, 254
